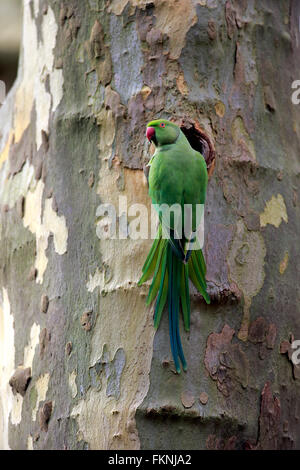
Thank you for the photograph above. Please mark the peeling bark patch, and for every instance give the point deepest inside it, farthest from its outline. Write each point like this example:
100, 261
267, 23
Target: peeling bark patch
44, 303
72, 383
203, 398
263, 334
182, 85
91, 180
257, 331
86, 320
20, 380
41, 387
69, 25
274, 212
99, 54
220, 109
29, 350
246, 260
107, 133
45, 338
226, 363
175, 20
96, 280
216, 343
4, 153
271, 336
244, 147
15, 187
29, 443
230, 19
68, 348
187, 399
38, 60
269, 98
269, 420
284, 263
113, 371
42, 225
21, 151
211, 30
219, 239
45, 415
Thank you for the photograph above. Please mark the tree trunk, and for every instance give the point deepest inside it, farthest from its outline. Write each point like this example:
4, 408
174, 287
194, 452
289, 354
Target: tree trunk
80, 364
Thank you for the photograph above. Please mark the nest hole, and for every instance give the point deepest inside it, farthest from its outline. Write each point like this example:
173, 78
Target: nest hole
200, 142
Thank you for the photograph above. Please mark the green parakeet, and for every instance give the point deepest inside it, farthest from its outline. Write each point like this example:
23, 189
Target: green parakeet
178, 176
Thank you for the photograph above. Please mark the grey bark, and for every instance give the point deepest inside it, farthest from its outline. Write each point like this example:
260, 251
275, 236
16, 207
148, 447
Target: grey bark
80, 365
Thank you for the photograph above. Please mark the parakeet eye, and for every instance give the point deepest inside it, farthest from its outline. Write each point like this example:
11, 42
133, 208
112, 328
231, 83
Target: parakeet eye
162, 124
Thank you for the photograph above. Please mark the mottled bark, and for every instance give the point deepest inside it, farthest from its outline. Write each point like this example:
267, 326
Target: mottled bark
79, 362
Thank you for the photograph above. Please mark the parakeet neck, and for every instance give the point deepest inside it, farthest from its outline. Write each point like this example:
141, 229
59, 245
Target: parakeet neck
180, 140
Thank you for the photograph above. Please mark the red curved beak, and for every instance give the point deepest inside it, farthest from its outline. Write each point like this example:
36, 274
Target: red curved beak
150, 133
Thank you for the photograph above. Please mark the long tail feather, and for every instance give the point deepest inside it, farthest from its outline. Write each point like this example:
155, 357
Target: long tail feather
176, 297
163, 291
197, 279
185, 296
150, 262
173, 336
157, 276
171, 272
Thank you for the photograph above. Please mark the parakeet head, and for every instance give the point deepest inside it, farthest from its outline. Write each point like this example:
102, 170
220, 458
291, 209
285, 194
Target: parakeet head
162, 132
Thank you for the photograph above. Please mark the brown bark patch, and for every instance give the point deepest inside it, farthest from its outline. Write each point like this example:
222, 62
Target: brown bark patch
226, 363
99, 54
187, 399
45, 338
86, 320
20, 380
45, 415
203, 398
269, 421
258, 330
44, 303
230, 19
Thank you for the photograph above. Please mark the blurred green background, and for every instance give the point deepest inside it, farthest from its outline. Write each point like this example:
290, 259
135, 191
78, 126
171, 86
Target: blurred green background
10, 36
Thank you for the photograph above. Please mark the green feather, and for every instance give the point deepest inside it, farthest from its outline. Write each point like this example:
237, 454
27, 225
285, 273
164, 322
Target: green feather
151, 259
157, 274
197, 279
198, 269
201, 262
163, 291
185, 296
